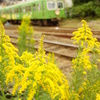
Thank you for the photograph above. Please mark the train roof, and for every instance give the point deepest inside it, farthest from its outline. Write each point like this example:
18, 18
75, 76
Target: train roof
20, 4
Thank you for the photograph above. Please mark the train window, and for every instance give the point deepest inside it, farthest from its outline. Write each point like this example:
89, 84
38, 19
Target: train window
29, 8
7, 12
16, 10
2, 12
20, 9
34, 7
38, 7
12, 10
51, 5
26, 8
23, 9
59, 5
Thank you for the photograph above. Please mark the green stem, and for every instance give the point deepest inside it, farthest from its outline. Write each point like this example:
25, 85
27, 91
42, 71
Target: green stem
2, 91
37, 93
2, 67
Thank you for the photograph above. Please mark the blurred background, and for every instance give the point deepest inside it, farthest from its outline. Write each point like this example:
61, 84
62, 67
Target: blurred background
74, 8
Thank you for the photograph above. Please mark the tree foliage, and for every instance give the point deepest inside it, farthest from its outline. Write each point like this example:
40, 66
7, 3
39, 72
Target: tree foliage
78, 2
1, 1
85, 8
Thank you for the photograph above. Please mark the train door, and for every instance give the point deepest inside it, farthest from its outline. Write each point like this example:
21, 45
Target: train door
10, 14
20, 12
51, 7
39, 10
23, 11
15, 11
28, 11
13, 14
43, 9
34, 15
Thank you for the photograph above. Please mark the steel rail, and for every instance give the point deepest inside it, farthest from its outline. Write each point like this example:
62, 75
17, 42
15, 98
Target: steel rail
67, 35
50, 51
51, 29
50, 42
53, 43
61, 35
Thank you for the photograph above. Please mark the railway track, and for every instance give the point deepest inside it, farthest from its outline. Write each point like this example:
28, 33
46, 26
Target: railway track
57, 41
56, 31
49, 45
52, 47
64, 53
51, 29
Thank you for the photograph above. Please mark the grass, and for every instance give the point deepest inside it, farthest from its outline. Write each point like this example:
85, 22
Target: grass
94, 24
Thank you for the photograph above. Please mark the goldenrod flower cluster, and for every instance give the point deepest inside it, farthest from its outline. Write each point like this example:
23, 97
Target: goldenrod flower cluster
25, 35
37, 73
8, 52
36, 76
32, 75
8, 55
98, 96
86, 81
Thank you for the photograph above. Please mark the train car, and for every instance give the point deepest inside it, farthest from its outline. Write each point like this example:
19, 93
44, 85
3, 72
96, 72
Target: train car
41, 12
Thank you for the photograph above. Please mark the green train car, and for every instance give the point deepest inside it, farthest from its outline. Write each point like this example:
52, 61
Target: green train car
41, 12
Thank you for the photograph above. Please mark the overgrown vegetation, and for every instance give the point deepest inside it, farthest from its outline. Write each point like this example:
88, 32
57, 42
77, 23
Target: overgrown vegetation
8, 55
36, 76
26, 32
84, 8
3, 20
78, 2
86, 74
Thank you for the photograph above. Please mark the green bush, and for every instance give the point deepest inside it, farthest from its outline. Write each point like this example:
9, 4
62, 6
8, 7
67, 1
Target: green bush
3, 20
97, 11
78, 2
91, 9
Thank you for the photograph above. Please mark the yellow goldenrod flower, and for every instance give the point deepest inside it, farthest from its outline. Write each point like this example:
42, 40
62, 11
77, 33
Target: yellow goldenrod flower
25, 31
84, 72
8, 55
15, 88
38, 72
37, 76
0, 58
31, 94
84, 83
98, 96
80, 90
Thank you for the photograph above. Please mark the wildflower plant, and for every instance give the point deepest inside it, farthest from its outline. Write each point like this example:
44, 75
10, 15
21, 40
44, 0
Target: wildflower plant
86, 75
98, 96
25, 36
8, 54
38, 77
